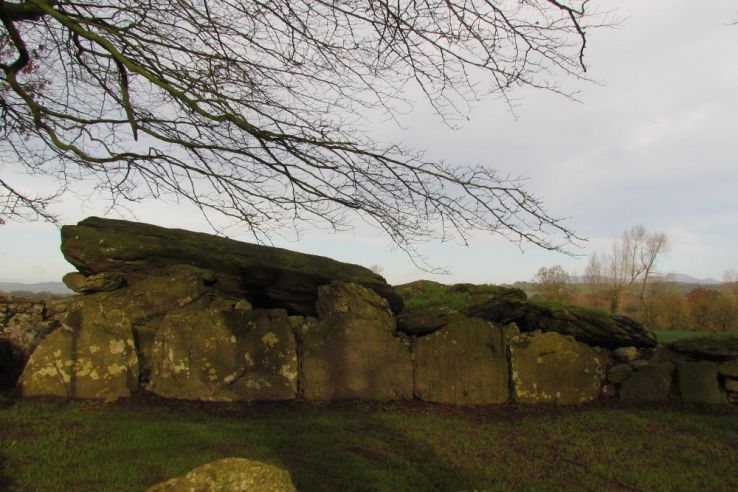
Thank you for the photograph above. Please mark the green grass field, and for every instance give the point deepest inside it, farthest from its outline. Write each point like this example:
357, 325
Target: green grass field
130, 445
674, 335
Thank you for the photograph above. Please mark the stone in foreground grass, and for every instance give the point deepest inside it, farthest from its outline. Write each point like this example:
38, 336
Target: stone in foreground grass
132, 445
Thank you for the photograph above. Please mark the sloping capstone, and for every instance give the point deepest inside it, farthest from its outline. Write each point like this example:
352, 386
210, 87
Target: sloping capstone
268, 277
352, 351
588, 326
465, 363
230, 475
93, 355
552, 368
224, 354
715, 347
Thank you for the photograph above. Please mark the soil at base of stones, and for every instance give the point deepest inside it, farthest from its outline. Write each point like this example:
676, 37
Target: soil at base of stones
147, 404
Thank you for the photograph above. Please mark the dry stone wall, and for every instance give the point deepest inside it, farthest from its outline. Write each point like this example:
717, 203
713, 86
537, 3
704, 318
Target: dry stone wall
188, 332
24, 323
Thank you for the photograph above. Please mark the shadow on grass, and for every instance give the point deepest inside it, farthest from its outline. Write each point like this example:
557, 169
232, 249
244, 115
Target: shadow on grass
5, 481
138, 442
323, 447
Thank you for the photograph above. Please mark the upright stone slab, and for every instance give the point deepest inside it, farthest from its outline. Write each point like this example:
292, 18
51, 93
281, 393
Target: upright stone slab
698, 382
464, 363
225, 354
146, 303
651, 383
92, 355
352, 352
552, 368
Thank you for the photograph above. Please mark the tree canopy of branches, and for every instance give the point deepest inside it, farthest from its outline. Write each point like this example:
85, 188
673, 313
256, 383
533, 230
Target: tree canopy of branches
249, 108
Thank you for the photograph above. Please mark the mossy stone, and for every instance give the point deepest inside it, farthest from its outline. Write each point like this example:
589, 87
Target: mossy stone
224, 354
652, 383
464, 363
92, 355
552, 368
269, 277
698, 382
230, 475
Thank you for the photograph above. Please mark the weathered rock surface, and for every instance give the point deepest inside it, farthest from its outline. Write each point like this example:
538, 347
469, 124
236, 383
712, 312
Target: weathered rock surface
550, 367
145, 304
352, 351
698, 382
230, 475
651, 383
25, 323
424, 321
588, 326
101, 282
619, 373
626, 354
224, 354
92, 355
269, 277
465, 363
716, 348
729, 369
500, 305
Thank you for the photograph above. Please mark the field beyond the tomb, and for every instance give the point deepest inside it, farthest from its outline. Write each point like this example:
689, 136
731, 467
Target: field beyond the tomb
133, 444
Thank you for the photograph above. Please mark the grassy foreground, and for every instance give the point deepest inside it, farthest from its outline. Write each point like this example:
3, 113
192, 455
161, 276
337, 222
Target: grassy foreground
85, 445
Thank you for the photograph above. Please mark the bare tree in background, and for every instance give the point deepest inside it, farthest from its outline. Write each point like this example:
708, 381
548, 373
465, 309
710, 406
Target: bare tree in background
248, 109
630, 262
553, 283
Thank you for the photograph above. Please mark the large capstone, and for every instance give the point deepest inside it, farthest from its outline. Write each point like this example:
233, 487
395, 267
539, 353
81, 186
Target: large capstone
711, 347
224, 354
269, 277
465, 363
552, 368
589, 326
92, 355
352, 351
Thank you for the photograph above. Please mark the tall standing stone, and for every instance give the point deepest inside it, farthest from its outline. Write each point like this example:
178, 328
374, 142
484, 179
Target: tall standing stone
464, 363
352, 352
225, 354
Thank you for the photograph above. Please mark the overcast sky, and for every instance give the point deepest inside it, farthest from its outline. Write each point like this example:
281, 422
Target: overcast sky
656, 143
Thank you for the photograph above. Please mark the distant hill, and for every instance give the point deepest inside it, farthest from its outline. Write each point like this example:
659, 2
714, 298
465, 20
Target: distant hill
677, 278
47, 287
683, 278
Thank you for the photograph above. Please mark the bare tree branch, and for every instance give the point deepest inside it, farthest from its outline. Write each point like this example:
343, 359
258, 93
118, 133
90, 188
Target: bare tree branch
246, 108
